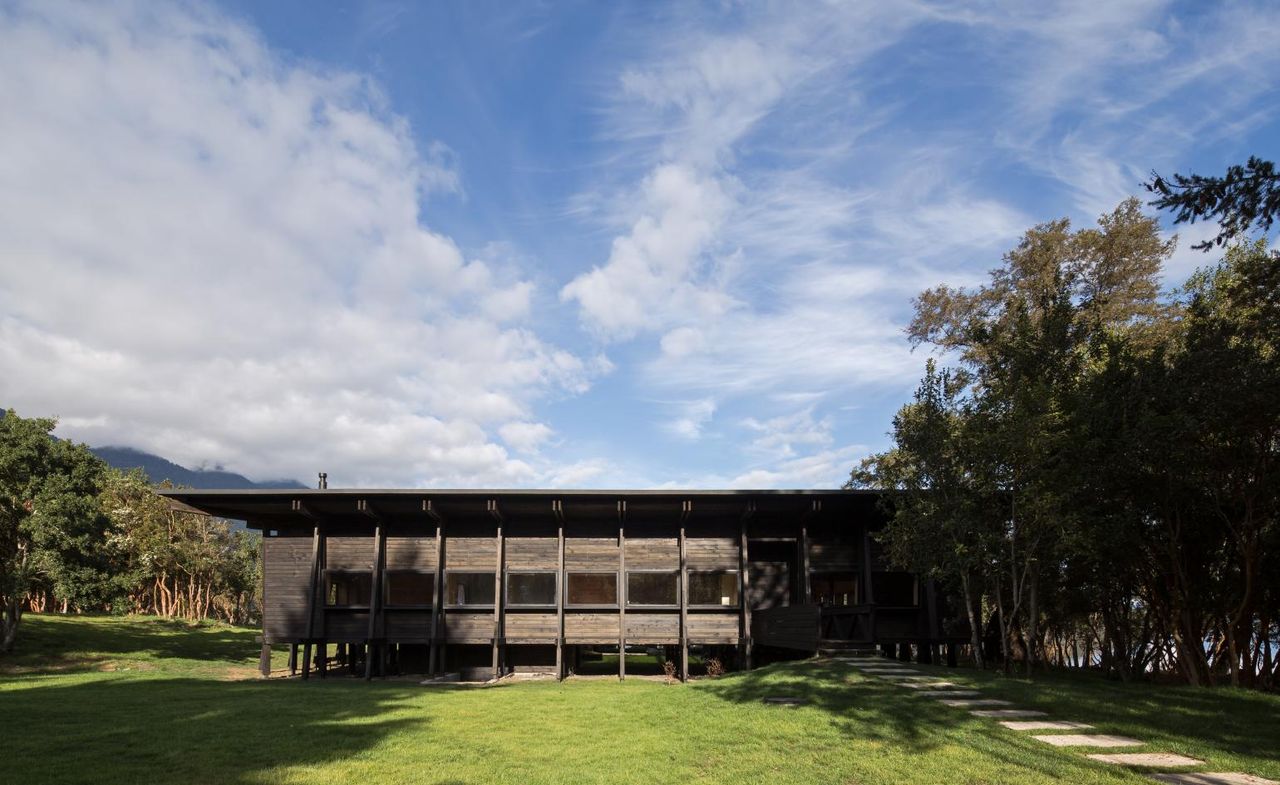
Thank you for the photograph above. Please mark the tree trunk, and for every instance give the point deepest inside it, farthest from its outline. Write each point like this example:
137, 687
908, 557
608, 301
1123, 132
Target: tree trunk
975, 630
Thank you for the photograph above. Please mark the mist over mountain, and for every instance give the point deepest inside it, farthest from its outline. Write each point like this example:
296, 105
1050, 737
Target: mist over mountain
159, 469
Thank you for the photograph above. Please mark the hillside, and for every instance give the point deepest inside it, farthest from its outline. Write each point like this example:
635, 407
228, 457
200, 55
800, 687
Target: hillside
161, 469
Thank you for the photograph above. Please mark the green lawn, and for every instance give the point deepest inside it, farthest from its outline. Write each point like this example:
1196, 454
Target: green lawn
139, 700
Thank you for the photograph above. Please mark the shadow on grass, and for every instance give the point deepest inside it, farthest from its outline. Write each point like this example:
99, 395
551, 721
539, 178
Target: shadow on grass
862, 707
59, 644
111, 729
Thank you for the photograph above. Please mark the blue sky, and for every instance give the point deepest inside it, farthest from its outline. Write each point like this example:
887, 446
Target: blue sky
575, 244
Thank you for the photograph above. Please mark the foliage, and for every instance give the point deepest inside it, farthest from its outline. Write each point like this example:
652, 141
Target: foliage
1105, 465
1245, 197
715, 668
76, 535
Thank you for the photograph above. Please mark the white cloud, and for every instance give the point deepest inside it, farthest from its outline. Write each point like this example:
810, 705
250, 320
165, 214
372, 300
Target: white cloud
692, 417
525, 436
216, 254
781, 436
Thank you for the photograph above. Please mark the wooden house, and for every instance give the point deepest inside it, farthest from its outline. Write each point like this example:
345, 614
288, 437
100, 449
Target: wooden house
493, 582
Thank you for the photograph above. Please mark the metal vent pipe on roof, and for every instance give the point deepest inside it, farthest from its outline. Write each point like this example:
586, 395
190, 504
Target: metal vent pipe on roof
324, 480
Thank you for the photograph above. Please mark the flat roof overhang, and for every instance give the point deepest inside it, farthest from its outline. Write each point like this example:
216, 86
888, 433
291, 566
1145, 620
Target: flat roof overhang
272, 508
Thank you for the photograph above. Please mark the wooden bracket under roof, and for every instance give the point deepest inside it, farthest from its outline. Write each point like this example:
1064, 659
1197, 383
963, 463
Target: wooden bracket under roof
495, 511
432, 513
686, 509
303, 510
557, 509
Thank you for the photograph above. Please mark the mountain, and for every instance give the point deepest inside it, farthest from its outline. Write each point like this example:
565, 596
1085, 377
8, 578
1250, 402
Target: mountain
160, 469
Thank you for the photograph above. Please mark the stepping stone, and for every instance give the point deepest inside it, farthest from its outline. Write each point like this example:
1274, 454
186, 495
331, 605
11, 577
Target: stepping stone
928, 685
1087, 740
1044, 725
1153, 759
947, 693
785, 700
1007, 713
964, 702
1213, 778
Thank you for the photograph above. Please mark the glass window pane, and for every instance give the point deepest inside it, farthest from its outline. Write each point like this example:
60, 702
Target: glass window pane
835, 588
531, 588
652, 588
469, 588
592, 588
713, 588
406, 587
348, 588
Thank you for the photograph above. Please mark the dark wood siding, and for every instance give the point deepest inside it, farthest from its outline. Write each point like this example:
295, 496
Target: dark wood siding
653, 627
411, 553
471, 553
532, 553
286, 580
713, 627
531, 627
712, 553
653, 553
591, 553
591, 627
833, 557
349, 553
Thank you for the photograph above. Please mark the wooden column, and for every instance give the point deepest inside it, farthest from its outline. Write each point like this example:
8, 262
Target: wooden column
804, 565
558, 509
747, 644
622, 592
684, 596
314, 590
437, 591
375, 590
868, 593
264, 659
497, 589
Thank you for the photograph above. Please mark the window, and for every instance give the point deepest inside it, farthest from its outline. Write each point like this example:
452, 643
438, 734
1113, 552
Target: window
713, 588
531, 588
343, 589
653, 588
592, 588
894, 588
468, 588
410, 587
835, 588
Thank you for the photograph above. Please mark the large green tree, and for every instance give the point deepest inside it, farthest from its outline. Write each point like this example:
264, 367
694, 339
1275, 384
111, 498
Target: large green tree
50, 523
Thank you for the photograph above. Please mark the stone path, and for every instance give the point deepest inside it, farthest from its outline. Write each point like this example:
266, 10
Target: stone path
1087, 740
964, 696
1213, 778
1166, 760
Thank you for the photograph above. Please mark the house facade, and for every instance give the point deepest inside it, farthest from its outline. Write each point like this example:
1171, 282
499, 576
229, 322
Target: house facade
492, 582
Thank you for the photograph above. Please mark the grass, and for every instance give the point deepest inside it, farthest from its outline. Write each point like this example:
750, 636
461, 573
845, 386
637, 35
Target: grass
141, 700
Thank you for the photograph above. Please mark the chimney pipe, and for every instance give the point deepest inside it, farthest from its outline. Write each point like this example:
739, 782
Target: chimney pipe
324, 480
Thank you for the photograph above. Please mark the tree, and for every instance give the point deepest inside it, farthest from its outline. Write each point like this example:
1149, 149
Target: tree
939, 504
1246, 196
49, 520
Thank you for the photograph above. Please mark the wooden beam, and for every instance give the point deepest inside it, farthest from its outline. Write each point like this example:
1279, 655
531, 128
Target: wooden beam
437, 591
311, 596
375, 592
497, 587
745, 604
870, 597
559, 591
622, 590
684, 599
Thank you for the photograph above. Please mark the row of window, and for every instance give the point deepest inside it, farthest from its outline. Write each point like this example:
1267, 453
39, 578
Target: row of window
413, 588
718, 588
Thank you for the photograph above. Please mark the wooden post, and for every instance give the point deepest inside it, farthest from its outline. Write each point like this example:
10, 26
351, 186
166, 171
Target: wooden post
804, 565
264, 659
684, 601
497, 588
375, 600
622, 592
311, 598
747, 644
868, 593
437, 590
293, 659
559, 590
